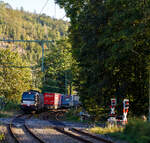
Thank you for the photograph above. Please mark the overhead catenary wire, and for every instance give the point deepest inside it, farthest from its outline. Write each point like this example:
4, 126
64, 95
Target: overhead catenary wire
55, 10
14, 66
44, 6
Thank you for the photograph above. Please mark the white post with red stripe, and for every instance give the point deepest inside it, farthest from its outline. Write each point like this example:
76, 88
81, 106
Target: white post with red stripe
112, 116
125, 110
112, 107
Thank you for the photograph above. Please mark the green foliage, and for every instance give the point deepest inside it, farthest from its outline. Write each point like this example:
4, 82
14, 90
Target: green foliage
110, 41
136, 131
13, 81
2, 137
9, 110
11, 106
73, 115
58, 67
21, 25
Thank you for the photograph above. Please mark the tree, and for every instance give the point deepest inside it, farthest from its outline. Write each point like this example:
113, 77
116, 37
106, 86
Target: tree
15, 78
58, 67
110, 41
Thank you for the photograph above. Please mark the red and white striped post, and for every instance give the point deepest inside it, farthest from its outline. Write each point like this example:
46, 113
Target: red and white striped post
112, 116
125, 110
112, 107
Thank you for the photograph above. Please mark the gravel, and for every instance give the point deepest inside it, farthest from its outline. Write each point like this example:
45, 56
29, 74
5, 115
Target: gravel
49, 135
4, 129
23, 135
43, 129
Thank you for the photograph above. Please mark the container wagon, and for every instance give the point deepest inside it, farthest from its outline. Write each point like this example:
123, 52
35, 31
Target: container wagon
69, 101
52, 100
66, 101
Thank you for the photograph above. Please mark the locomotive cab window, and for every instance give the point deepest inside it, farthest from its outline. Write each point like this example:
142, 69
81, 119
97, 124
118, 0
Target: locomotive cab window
28, 96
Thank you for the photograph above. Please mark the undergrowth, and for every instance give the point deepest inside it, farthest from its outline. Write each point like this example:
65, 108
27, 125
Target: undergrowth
9, 109
2, 138
136, 131
106, 130
72, 115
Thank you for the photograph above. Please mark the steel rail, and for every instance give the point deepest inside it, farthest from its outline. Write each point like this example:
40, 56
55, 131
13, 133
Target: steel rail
72, 135
90, 135
31, 133
10, 128
27, 129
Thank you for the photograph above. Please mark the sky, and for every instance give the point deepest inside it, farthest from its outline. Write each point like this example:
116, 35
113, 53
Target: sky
40, 6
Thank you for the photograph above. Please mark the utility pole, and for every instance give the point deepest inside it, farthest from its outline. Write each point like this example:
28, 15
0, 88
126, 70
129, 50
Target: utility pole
41, 42
66, 83
149, 94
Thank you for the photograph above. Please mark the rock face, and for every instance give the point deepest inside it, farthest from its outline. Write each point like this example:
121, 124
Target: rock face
14, 47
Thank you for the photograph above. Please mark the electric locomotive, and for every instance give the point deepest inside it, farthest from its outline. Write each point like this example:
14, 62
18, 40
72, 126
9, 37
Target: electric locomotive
32, 100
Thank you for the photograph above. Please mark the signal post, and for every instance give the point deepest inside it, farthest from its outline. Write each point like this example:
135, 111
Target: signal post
125, 110
112, 115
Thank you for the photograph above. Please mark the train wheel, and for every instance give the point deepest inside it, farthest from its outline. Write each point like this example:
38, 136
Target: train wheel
60, 116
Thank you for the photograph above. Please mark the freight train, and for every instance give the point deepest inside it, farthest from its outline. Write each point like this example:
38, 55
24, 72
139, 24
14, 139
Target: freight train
33, 100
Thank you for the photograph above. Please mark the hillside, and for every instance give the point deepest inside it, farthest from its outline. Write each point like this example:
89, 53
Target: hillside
18, 24
22, 25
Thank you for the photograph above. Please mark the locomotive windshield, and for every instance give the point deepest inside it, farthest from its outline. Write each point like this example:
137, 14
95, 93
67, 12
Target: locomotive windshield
28, 96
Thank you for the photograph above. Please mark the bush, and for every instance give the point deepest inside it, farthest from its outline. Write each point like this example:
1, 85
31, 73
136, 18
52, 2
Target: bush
2, 137
73, 115
9, 109
138, 131
11, 106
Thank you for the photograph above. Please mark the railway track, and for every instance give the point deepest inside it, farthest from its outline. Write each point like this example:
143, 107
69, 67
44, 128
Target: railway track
29, 135
78, 134
91, 135
82, 136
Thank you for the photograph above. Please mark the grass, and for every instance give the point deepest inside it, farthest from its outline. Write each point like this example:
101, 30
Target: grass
136, 131
106, 130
